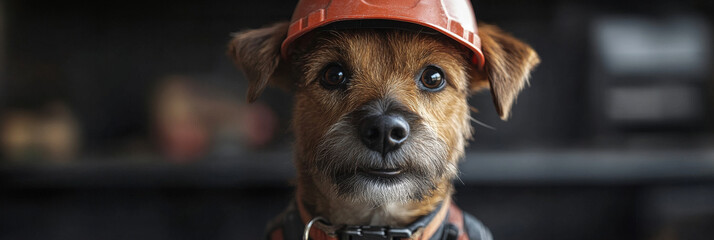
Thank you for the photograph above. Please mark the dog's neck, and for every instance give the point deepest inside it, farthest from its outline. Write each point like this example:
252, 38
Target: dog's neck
344, 212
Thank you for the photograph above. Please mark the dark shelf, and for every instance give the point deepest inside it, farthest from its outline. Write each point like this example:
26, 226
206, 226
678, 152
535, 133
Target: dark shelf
276, 169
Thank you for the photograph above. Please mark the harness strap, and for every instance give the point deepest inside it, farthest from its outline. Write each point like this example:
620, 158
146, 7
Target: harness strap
436, 223
456, 219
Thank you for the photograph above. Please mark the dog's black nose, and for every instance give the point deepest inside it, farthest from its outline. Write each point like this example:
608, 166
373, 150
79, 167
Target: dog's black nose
384, 133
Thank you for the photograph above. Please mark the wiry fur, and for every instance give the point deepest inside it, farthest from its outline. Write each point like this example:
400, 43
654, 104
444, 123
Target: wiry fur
341, 155
383, 68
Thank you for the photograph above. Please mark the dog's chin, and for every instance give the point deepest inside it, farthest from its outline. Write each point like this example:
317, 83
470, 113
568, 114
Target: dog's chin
372, 179
382, 186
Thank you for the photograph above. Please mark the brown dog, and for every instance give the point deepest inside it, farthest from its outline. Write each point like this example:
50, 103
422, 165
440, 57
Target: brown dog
380, 116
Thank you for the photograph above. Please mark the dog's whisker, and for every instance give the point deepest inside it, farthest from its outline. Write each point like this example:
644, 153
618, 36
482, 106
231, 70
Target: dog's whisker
460, 180
482, 124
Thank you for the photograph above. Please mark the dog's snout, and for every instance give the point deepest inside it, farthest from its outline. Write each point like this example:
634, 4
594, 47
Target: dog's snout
384, 133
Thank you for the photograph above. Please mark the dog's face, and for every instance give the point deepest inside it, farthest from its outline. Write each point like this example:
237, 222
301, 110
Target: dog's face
380, 116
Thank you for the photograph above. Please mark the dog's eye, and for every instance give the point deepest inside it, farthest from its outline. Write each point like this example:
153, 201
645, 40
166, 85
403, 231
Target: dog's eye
333, 76
432, 79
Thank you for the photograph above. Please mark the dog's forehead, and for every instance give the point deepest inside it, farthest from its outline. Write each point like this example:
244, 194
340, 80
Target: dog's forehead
386, 45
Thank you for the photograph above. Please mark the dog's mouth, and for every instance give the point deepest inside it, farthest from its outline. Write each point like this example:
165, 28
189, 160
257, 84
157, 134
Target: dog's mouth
381, 172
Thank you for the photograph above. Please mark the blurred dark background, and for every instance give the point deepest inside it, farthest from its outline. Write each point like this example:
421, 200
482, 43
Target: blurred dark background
126, 120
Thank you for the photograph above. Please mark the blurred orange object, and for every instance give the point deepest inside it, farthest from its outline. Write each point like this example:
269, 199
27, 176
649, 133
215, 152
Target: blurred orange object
195, 120
183, 136
259, 124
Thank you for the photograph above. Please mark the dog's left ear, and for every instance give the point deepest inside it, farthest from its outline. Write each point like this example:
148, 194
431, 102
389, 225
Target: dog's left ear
257, 53
507, 68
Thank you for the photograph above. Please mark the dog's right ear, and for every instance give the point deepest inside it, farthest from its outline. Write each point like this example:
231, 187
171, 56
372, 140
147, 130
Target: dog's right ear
257, 53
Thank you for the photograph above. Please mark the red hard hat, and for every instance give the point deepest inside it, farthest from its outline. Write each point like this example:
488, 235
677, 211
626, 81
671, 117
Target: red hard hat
453, 18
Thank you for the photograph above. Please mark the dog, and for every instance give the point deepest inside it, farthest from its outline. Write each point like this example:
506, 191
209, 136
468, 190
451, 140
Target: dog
381, 120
